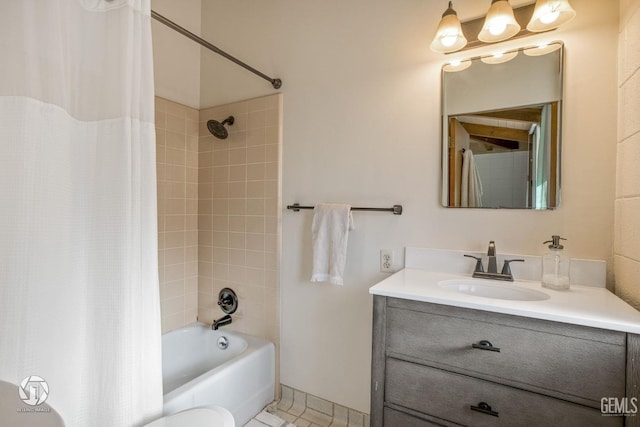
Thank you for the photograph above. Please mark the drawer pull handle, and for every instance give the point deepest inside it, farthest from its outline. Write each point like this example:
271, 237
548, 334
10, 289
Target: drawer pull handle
485, 408
486, 345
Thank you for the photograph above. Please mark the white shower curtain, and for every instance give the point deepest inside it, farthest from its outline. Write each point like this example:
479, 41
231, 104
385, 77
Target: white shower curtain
470, 183
79, 301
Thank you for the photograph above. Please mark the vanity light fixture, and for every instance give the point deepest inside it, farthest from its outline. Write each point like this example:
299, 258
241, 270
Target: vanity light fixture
449, 36
550, 14
499, 24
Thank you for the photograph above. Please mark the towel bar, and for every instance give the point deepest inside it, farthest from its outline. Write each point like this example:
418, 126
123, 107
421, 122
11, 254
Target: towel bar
396, 209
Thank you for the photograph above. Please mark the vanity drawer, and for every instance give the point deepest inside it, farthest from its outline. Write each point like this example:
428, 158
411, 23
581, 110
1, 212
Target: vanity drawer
393, 418
450, 396
575, 363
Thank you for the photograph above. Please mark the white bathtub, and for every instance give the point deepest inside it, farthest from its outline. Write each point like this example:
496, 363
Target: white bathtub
195, 372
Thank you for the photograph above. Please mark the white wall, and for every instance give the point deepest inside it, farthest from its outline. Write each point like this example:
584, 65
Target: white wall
176, 59
362, 125
247, 30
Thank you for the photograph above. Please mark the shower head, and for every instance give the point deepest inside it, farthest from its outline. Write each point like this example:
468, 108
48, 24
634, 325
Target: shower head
217, 129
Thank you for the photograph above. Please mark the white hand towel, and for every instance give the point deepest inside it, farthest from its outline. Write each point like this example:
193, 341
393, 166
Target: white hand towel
330, 231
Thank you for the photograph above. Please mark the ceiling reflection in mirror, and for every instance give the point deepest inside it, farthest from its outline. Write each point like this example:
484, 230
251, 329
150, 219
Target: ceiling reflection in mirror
501, 130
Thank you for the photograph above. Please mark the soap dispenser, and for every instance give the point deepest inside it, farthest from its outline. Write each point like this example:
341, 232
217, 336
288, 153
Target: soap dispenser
555, 266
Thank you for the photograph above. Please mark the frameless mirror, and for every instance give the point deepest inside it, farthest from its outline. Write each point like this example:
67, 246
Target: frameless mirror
501, 128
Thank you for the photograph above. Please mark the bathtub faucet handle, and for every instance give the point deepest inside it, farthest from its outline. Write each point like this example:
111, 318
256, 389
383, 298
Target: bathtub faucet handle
228, 301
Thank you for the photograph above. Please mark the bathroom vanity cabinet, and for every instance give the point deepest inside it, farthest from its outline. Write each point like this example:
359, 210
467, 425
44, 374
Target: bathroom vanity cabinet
437, 364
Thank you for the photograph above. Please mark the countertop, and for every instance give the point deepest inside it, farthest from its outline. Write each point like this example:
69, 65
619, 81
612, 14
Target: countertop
580, 305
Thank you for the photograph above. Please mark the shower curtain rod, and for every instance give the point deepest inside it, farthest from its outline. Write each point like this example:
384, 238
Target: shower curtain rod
276, 83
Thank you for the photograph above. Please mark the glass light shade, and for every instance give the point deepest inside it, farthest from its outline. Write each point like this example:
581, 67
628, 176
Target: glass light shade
542, 49
500, 24
449, 36
550, 14
455, 66
499, 58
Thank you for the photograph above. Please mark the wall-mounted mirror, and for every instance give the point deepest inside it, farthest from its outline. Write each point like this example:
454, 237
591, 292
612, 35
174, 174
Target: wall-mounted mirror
502, 118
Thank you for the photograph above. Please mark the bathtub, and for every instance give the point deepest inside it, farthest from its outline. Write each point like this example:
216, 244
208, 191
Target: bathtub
196, 372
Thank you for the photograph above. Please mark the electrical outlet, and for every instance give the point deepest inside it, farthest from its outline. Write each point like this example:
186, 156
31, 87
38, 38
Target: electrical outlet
386, 261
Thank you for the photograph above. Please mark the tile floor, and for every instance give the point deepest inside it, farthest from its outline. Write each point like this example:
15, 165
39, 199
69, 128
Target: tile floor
299, 409
266, 419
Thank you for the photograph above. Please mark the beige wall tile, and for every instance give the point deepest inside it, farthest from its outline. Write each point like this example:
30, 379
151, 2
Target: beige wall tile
173, 256
238, 204
238, 172
237, 223
255, 189
221, 239
172, 289
219, 174
176, 161
257, 120
237, 156
175, 140
255, 242
175, 156
256, 137
629, 46
627, 206
220, 223
192, 175
627, 273
220, 190
629, 217
629, 107
237, 189
174, 173
256, 172
191, 253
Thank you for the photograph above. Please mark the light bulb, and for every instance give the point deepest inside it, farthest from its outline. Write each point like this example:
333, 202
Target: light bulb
497, 27
549, 17
448, 39
498, 55
455, 63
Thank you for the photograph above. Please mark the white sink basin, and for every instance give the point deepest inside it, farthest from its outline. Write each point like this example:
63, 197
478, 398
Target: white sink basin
491, 289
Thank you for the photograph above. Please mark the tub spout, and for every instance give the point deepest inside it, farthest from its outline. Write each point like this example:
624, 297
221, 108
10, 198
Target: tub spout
225, 320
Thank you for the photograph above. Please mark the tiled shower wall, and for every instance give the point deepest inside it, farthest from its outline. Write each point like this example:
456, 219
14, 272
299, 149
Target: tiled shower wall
627, 238
177, 169
219, 214
238, 215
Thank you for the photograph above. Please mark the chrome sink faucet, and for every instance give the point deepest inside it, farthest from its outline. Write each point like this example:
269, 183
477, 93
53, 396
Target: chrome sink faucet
491, 254
492, 266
